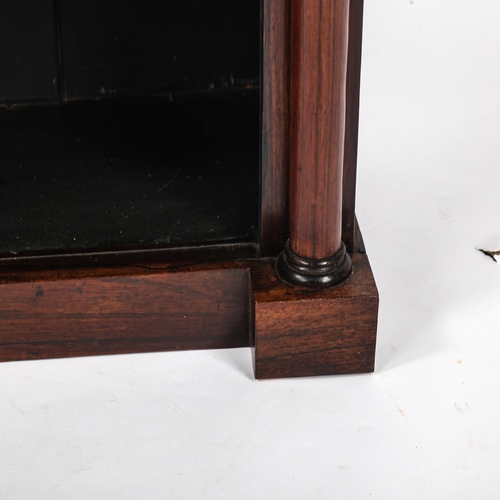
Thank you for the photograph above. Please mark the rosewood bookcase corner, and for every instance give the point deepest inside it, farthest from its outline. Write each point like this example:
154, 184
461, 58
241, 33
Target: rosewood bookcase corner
301, 293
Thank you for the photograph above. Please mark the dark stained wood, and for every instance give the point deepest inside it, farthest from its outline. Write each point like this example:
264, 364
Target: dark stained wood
169, 296
268, 288
352, 123
16, 275
45, 316
275, 126
147, 256
315, 255
317, 93
166, 306
299, 332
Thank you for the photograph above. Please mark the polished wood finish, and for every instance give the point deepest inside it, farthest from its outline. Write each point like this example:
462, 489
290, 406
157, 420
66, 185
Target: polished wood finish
275, 126
139, 257
352, 123
171, 306
156, 299
315, 255
62, 313
317, 94
302, 332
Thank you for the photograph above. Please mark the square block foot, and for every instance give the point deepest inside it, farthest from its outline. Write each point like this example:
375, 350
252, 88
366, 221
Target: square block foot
300, 333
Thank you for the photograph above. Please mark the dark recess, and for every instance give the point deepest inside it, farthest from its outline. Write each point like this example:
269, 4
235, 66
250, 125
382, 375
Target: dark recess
28, 52
130, 172
99, 48
151, 137
111, 48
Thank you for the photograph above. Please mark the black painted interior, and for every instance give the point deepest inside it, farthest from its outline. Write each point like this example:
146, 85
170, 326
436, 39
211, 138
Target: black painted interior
128, 172
29, 68
54, 50
145, 129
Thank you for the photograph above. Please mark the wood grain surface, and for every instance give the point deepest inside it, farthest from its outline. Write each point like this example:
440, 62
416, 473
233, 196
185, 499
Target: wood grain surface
220, 296
299, 332
319, 38
52, 314
275, 125
116, 310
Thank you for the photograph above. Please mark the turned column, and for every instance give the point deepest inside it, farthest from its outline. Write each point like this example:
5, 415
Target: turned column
315, 254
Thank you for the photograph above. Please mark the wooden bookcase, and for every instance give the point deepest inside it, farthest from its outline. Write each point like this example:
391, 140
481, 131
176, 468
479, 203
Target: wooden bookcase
289, 278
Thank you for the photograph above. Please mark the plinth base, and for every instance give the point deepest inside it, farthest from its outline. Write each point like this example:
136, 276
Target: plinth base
301, 333
145, 307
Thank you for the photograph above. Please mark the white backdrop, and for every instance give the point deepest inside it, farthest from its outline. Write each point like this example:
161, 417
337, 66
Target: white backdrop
424, 426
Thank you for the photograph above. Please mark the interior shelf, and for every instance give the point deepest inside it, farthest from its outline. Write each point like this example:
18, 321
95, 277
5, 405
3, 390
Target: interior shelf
164, 170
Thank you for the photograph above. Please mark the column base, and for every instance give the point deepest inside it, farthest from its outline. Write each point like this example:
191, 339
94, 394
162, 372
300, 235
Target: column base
302, 332
300, 271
